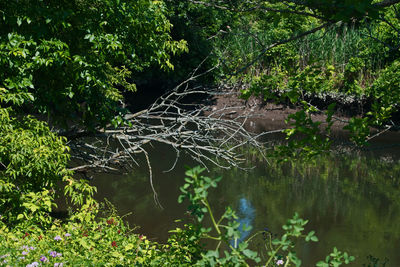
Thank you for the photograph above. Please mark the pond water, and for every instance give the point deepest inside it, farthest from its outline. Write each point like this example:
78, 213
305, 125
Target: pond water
352, 200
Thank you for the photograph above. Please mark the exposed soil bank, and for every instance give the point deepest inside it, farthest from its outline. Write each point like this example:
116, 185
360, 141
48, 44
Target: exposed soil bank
268, 116
263, 112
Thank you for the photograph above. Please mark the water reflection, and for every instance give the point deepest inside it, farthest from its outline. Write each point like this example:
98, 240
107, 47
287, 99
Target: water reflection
352, 202
246, 214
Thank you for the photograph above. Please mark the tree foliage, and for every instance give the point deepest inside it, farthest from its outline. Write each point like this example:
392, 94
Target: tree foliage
70, 61
74, 57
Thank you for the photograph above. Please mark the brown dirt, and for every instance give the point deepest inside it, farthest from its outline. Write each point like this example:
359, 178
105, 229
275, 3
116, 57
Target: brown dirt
267, 115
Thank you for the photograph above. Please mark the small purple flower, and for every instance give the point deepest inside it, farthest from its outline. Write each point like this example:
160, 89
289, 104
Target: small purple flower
57, 238
32, 248
58, 264
279, 262
67, 234
21, 258
55, 254
25, 247
43, 259
24, 252
33, 264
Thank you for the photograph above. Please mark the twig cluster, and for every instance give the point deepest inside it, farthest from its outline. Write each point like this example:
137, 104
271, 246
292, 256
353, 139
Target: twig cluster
206, 135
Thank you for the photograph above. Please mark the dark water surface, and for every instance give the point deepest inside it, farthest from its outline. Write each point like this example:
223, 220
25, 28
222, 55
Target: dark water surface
352, 201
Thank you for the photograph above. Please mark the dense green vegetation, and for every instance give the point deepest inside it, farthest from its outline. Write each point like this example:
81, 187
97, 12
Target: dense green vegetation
346, 63
67, 65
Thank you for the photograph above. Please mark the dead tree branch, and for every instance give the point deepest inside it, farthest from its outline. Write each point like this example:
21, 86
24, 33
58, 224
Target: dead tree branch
207, 136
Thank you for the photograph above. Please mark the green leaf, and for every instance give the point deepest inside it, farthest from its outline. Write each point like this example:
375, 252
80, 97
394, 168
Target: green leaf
129, 247
250, 254
322, 264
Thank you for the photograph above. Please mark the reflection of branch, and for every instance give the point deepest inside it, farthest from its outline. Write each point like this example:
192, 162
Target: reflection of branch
151, 178
388, 127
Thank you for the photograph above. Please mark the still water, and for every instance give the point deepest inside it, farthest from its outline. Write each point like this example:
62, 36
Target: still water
352, 200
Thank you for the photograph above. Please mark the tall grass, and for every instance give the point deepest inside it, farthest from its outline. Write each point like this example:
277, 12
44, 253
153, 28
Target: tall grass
334, 46
337, 45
